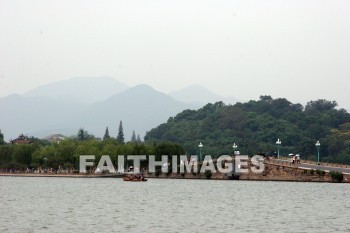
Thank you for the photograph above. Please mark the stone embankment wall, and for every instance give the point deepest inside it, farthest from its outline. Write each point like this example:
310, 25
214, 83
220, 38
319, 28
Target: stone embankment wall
214, 176
272, 172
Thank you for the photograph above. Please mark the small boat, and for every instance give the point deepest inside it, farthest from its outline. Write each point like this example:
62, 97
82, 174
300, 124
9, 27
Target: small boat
134, 178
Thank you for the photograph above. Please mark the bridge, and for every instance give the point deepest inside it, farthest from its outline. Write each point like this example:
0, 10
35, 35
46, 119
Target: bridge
306, 171
307, 164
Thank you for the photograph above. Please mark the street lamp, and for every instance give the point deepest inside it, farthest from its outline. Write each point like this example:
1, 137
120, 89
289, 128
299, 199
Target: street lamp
278, 143
45, 161
318, 144
234, 148
200, 150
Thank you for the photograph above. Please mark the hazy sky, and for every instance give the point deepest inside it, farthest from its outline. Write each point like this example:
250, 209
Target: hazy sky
299, 50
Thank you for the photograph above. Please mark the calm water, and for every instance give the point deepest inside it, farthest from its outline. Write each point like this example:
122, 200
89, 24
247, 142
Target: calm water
159, 205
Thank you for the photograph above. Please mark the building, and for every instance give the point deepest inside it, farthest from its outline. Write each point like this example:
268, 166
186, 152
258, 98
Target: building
54, 138
22, 139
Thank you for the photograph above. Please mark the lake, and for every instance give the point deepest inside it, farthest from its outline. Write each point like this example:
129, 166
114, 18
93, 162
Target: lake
39, 204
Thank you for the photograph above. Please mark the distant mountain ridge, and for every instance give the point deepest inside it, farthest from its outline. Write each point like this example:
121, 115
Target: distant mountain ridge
27, 114
80, 90
94, 103
141, 108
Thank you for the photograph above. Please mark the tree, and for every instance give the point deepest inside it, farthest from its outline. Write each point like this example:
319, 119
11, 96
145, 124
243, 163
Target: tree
320, 106
6, 152
22, 154
84, 135
138, 138
2, 142
133, 137
266, 98
120, 137
106, 136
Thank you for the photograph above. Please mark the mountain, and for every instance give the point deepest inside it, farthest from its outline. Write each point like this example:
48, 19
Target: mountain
197, 94
141, 108
80, 90
27, 114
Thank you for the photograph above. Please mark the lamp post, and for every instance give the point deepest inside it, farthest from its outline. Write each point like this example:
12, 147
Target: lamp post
45, 161
318, 144
234, 148
278, 143
200, 150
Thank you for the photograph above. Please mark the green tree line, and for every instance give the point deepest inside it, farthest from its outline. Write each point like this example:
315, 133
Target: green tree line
66, 153
256, 125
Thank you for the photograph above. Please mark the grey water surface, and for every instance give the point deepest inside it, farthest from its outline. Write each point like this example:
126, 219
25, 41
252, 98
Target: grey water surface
39, 204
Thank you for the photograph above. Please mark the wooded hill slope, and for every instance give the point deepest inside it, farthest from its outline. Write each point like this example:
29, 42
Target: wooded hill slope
256, 125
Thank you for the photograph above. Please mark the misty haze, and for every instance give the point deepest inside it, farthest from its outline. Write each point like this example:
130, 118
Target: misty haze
232, 116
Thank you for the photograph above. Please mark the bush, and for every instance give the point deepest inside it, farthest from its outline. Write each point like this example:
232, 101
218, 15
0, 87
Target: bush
170, 170
311, 172
158, 170
336, 176
105, 172
320, 172
207, 174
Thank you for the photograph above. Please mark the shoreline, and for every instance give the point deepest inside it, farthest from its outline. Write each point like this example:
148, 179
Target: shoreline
159, 177
62, 175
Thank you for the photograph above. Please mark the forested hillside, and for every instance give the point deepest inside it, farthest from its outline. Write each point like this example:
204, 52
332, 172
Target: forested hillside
256, 125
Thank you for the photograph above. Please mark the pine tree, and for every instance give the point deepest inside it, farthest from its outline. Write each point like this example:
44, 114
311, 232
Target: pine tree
84, 135
138, 138
133, 137
1, 138
120, 137
106, 136
81, 134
